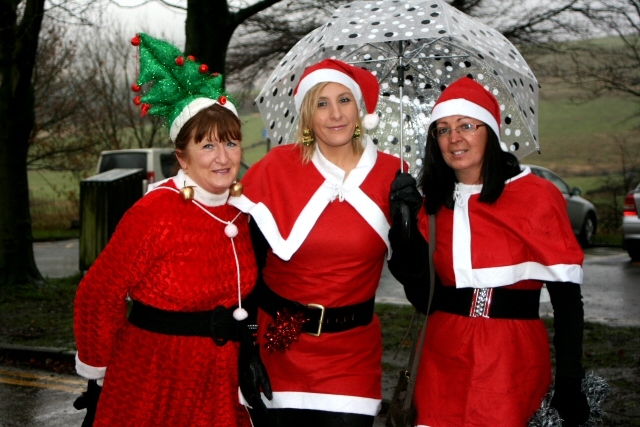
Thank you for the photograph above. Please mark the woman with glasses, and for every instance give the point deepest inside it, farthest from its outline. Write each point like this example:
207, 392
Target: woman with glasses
501, 233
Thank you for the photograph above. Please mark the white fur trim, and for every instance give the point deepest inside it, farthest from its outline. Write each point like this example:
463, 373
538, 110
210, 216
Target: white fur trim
321, 402
193, 108
89, 372
370, 121
463, 107
334, 187
493, 277
321, 76
181, 180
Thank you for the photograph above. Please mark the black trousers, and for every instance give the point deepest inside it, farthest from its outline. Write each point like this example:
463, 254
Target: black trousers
311, 418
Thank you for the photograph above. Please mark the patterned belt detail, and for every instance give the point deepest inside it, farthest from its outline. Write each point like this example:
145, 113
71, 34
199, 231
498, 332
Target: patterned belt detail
481, 302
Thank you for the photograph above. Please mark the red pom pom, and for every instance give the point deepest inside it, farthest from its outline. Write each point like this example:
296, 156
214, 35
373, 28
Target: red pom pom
222, 100
191, 58
136, 100
180, 61
135, 87
136, 40
144, 109
204, 68
215, 74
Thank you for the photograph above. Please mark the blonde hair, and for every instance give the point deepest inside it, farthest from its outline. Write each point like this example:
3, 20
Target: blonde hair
307, 111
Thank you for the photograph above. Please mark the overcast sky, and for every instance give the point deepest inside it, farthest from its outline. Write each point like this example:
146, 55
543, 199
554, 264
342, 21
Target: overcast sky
154, 18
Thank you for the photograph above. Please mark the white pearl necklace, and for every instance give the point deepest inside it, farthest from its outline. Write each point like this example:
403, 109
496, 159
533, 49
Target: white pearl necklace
231, 231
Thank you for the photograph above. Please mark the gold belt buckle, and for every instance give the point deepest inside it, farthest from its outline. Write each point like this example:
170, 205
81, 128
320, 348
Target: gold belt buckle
321, 308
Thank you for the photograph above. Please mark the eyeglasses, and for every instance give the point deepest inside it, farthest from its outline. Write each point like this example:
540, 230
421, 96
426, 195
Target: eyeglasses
467, 128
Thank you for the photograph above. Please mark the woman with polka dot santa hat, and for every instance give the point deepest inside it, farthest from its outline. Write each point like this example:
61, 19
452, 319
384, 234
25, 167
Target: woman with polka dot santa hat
320, 208
502, 233
160, 326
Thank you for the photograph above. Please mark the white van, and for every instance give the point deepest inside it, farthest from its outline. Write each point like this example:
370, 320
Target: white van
158, 162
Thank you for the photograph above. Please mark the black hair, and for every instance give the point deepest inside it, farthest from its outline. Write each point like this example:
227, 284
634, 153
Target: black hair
438, 180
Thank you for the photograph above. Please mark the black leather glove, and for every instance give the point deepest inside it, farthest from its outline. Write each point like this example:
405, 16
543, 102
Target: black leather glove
89, 401
252, 376
570, 401
404, 190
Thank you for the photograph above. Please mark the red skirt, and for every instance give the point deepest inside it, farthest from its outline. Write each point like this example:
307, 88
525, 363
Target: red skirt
481, 372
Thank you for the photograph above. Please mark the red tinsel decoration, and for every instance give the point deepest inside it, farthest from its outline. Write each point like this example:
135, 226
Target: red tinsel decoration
135, 87
284, 331
144, 109
180, 61
222, 100
191, 58
136, 100
136, 40
204, 68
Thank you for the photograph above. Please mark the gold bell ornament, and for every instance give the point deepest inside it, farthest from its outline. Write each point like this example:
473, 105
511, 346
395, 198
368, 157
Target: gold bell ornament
187, 192
236, 189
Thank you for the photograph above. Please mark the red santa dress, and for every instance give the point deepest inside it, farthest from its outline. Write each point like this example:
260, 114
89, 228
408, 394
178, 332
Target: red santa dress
169, 254
478, 371
328, 237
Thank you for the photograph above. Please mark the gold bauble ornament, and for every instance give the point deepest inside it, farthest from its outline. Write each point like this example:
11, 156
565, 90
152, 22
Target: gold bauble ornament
236, 189
187, 192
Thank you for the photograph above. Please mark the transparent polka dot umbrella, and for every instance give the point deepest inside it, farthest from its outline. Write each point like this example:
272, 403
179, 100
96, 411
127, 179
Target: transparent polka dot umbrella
415, 48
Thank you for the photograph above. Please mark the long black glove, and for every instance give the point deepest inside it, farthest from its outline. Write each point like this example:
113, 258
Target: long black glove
89, 401
409, 262
252, 376
568, 322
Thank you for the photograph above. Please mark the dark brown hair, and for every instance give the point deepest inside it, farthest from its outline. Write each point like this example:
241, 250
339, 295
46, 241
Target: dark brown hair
214, 122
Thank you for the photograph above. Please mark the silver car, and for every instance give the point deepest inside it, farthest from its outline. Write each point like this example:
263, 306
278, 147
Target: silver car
631, 223
582, 213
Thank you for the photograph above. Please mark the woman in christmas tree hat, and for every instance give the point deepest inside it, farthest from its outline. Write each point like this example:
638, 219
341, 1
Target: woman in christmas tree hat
183, 259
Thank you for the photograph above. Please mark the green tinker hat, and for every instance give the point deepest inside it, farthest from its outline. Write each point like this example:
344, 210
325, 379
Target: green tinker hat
181, 86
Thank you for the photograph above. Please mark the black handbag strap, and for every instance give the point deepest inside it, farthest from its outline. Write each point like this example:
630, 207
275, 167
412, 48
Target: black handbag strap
417, 353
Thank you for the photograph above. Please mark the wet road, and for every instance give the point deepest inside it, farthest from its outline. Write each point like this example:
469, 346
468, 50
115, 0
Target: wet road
38, 398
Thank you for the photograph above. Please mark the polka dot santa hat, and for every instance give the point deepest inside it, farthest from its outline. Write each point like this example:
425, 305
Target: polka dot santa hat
362, 83
466, 97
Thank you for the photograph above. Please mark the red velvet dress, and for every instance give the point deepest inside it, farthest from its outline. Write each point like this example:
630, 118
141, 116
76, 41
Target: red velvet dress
169, 254
483, 372
328, 240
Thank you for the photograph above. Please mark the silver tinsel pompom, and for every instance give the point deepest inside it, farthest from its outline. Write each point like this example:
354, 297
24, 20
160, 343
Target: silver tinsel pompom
595, 388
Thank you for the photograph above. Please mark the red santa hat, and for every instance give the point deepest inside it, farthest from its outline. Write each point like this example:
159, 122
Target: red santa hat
466, 97
361, 82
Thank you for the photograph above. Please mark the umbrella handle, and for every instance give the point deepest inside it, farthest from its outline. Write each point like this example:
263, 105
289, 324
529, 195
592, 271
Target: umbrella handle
406, 224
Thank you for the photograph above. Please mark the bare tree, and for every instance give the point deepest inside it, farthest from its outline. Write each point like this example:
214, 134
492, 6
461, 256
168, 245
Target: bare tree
603, 65
107, 70
266, 37
20, 25
53, 143
19, 31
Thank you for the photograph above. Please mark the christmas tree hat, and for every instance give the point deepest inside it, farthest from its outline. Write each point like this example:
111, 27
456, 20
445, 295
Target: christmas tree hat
181, 87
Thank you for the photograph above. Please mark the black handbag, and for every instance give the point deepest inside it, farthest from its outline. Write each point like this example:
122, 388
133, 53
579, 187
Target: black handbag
402, 412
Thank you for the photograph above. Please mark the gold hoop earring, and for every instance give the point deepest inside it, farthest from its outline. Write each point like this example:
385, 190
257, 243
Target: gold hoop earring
307, 138
356, 132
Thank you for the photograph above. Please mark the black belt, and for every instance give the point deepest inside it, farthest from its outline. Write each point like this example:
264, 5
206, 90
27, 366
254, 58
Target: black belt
319, 319
498, 303
218, 323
